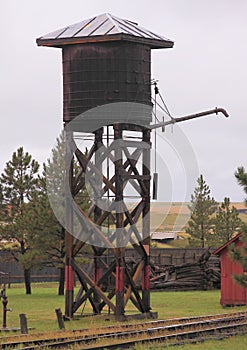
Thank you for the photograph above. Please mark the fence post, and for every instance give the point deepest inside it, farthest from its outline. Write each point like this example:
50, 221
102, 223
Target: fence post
60, 318
23, 324
8, 279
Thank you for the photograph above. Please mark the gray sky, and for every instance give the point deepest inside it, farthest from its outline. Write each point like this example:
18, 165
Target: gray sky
206, 68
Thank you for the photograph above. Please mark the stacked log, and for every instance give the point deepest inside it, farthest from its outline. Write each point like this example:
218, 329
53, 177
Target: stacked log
200, 275
180, 270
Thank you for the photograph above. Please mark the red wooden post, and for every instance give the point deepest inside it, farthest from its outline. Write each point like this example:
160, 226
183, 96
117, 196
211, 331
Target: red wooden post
146, 222
119, 223
69, 273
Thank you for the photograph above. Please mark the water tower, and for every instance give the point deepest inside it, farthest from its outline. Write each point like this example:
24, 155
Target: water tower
107, 94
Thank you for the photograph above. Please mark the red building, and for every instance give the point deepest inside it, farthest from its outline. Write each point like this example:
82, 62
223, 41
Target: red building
231, 292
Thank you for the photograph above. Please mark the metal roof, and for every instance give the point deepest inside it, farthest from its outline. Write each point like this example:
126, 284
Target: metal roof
164, 235
104, 27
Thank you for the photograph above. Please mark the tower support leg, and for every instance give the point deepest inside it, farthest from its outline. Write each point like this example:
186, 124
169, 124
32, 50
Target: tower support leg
146, 222
69, 273
119, 285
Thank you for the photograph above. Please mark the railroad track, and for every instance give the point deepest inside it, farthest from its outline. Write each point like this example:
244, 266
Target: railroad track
172, 332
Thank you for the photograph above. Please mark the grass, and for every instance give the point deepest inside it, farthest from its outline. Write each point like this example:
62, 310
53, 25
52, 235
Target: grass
233, 343
184, 304
191, 303
40, 306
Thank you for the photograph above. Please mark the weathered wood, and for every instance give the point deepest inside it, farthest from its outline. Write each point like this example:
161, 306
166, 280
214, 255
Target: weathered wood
23, 324
188, 276
85, 163
93, 228
86, 296
136, 175
60, 319
161, 276
79, 179
91, 290
126, 172
146, 221
136, 153
69, 238
89, 280
134, 280
118, 163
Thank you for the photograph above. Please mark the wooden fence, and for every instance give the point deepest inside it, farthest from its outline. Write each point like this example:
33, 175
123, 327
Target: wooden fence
12, 271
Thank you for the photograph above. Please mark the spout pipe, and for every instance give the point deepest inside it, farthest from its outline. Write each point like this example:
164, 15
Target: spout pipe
189, 117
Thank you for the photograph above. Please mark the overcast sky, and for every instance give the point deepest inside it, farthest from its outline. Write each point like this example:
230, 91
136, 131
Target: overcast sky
206, 68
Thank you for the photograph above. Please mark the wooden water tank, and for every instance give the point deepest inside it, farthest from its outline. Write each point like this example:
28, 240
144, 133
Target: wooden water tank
105, 60
98, 73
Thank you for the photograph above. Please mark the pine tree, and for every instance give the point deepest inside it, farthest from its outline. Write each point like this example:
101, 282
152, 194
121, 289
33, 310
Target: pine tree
241, 177
52, 183
240, 254
202, 208
48, 233
19, 183
226, 224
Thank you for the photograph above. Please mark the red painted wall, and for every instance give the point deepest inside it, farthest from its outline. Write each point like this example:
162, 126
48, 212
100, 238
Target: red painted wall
231, 292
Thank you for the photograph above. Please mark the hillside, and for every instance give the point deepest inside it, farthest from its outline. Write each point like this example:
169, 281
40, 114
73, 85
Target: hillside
174, 217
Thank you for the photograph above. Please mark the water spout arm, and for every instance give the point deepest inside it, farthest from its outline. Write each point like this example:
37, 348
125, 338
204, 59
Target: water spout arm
189, 117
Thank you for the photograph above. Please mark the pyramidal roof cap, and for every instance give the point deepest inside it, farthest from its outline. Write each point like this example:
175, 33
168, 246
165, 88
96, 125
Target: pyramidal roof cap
104, 27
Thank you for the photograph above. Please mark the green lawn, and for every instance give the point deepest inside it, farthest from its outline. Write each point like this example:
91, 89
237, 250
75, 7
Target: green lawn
233, 343
191, 303
40, 310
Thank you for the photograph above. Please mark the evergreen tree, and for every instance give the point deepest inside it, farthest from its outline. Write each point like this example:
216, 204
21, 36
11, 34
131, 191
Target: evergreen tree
26, 215
19, 183
49, 237
48, 233
240, 254
52, 183
202, 208
226, 224
241, 177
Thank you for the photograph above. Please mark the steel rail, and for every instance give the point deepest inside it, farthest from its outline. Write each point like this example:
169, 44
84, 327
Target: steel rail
178, 338
153, 329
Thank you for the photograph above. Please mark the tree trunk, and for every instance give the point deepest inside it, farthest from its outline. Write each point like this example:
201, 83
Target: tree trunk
27, 279
202, 236
61, 280
62, 268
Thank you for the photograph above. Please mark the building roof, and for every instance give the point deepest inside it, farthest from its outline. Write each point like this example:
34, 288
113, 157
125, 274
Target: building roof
104, 27
164, 235
224, 246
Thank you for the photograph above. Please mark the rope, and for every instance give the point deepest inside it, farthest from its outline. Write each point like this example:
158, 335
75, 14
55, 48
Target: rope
156, 91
